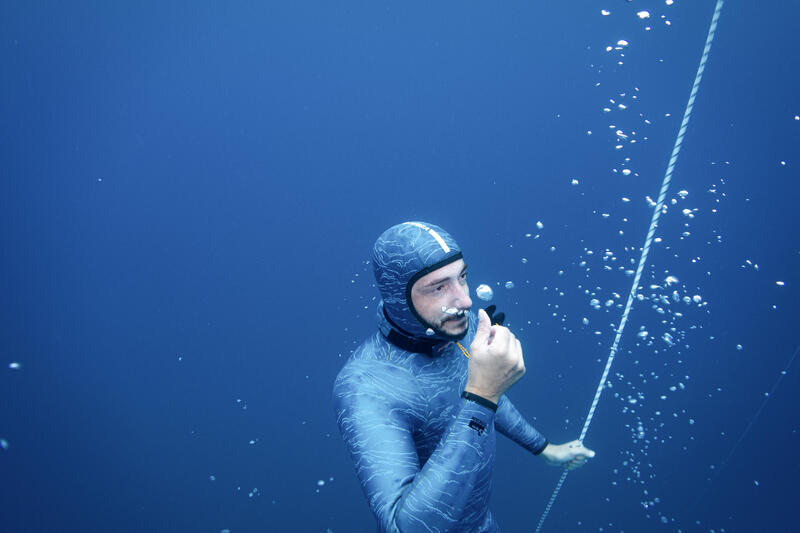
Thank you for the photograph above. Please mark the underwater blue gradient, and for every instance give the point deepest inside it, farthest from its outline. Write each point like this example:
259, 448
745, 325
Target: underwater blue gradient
190, 192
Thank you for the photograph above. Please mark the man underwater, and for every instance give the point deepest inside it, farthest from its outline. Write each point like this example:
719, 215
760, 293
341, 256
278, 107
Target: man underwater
417, 409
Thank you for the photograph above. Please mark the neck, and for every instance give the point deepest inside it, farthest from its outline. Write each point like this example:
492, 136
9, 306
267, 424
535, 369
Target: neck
405, 341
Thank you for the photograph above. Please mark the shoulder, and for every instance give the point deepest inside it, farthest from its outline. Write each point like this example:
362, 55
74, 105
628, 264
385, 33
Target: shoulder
378, 370
378, 353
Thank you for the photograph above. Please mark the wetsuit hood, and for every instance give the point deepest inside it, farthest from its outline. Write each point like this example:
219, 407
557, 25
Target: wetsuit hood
401, 255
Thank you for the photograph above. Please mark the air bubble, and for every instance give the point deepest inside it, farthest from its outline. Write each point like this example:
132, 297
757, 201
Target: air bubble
484, 292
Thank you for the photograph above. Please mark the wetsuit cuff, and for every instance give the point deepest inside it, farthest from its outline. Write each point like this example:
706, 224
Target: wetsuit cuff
480, 400
540, 450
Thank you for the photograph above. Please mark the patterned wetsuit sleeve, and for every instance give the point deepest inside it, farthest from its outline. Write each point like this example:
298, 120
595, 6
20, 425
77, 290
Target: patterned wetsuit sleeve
511, 423
377, 409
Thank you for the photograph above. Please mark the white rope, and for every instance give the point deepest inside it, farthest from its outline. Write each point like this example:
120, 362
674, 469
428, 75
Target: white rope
648, 241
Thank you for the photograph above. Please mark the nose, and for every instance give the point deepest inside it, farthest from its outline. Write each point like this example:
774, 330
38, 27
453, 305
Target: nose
463, 301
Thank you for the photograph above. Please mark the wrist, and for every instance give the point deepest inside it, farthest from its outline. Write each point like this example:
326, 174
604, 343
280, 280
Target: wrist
494, 398
480, 399
544, 453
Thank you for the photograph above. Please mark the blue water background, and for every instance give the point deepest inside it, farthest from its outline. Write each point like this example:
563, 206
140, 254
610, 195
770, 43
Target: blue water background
190, 191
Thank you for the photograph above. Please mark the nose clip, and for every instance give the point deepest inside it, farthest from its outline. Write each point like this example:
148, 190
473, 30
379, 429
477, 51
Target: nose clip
496, 319
454, 311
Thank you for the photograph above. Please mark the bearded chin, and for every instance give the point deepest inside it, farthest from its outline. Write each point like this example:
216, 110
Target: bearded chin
451, 336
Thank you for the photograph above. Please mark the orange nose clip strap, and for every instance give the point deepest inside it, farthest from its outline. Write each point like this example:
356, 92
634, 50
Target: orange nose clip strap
464, 350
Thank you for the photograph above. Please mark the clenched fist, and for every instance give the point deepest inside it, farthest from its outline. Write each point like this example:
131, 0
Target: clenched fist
495, 361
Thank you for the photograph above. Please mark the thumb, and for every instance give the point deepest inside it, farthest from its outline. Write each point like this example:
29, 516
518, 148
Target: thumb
579, 449
484, 328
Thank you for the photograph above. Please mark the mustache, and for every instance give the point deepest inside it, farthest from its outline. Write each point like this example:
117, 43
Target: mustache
460, 315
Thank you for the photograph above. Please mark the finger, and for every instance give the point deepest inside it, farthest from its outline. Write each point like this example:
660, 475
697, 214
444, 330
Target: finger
502, 338
589, 453
484, 330
577, 447
512, 340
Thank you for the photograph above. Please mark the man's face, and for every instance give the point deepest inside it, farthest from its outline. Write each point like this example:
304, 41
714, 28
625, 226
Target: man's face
442, 298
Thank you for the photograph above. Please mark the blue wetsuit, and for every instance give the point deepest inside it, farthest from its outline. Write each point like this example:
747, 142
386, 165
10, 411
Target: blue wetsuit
424, 455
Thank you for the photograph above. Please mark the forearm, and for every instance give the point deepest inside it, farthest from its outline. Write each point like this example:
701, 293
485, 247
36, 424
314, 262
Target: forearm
512, 424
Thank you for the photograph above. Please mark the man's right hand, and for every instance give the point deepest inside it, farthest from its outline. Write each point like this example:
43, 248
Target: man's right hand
495, 361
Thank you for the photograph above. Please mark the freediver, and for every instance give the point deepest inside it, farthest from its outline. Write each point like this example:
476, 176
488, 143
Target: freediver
417, 409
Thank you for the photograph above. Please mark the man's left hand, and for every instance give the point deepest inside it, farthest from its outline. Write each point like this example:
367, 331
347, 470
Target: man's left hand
570, 455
